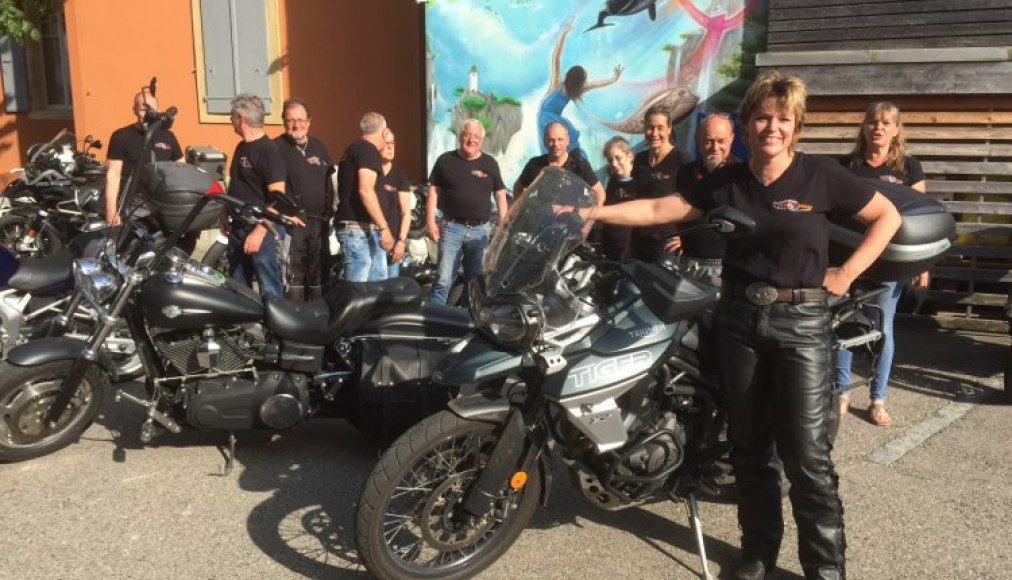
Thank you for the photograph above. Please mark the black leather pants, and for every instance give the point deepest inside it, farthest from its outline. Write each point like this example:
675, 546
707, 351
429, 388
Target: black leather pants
305, 267
775, 375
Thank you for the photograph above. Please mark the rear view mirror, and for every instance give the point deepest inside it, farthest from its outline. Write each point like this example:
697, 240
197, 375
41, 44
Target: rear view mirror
726, 219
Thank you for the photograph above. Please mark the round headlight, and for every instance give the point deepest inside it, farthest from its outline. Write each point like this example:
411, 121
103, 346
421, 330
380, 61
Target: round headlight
91, 278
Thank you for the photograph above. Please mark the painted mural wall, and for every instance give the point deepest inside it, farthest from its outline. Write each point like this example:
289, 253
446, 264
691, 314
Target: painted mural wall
594, 65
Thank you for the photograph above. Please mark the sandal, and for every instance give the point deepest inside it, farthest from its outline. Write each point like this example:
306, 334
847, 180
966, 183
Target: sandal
842, 405
878, 414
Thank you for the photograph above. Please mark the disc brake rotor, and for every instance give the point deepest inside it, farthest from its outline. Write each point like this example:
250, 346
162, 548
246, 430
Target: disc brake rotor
438, 526
24, 415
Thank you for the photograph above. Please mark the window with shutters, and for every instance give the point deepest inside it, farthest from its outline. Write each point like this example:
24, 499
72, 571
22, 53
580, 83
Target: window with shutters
238, 51
36, 76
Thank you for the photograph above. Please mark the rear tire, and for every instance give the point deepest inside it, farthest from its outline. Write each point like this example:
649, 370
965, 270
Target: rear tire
405, 524
216, 257
26, 395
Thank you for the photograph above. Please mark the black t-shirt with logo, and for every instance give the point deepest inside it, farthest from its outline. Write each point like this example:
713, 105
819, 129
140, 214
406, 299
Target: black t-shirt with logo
127, 142
656, 181
308, 169
255, 165
388, 188
615, 239
359, 155
574, 163
911, 174
466, 185
701, 243
790, 245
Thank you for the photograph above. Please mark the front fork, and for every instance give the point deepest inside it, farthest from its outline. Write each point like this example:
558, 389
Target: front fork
29, 240
106, 325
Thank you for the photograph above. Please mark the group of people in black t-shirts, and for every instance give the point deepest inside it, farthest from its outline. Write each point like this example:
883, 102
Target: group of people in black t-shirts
770, 330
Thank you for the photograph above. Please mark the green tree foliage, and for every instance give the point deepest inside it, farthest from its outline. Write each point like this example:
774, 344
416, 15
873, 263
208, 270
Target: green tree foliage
20, 18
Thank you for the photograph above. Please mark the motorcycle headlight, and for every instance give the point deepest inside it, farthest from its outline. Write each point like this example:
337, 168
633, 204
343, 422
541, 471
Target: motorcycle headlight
514, 321
95, 281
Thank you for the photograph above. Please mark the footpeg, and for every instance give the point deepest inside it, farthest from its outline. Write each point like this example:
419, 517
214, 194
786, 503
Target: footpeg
153, 414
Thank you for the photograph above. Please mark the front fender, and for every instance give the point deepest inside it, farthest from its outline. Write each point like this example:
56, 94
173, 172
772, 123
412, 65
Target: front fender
44, 350
475, 359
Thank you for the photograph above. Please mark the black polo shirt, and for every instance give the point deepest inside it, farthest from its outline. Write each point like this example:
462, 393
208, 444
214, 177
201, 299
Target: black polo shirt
359, 155
466, 185
654, 181
700, 243
308, 169
126, 143
255, 165
388, 188
911, 174
790, 245
574, 163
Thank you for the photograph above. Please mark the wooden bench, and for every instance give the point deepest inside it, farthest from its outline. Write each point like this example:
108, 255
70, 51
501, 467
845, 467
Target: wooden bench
967, 158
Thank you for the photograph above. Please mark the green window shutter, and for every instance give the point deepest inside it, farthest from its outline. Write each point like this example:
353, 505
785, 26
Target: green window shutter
15, 76
235, 51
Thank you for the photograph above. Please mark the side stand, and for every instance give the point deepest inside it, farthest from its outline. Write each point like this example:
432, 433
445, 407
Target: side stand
697, 529
229, 454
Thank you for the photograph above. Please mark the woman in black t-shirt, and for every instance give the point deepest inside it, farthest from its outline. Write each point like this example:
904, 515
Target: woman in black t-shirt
654, 172
621, 187
771, 328
880, 153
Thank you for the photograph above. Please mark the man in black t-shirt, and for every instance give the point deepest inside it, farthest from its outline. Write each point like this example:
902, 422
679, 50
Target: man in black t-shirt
394, 191
308, 167
364, 233
125, 147
461, 186
556, 140
702, 250
257, 172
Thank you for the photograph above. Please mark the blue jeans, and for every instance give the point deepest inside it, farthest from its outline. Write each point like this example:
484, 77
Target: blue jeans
458, 243
264, 262
364, 260
887, 301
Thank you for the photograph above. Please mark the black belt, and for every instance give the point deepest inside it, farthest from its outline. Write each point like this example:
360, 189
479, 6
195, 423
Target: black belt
762, 294
353, 225
466, 222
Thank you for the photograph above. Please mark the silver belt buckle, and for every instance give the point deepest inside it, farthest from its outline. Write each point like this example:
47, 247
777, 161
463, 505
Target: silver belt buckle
761, 294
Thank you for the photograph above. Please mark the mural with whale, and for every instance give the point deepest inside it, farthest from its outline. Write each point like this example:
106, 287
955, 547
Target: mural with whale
593, 65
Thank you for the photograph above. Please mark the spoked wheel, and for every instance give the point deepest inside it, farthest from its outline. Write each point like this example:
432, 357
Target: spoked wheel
409, 522
27, 394
44, 242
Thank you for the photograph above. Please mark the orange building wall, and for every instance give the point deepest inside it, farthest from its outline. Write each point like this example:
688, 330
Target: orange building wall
344, 57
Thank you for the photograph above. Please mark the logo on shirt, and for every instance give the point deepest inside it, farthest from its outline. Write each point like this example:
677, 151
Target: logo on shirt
479, 173
314, 160
890, 178
389, 187
792, 205
164, 146
245, 162
660, 176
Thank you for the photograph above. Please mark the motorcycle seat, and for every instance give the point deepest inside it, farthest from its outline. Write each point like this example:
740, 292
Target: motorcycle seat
345, 308
43, 275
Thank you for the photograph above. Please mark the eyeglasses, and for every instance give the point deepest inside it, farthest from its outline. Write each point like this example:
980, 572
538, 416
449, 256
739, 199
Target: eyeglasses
296, 121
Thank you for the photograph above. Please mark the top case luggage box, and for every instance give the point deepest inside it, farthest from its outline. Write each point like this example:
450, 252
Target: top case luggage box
924, 236
171, 189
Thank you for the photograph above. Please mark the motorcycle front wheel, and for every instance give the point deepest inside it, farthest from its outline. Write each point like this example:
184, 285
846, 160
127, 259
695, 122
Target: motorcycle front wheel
46, 241
27, 394
407, 522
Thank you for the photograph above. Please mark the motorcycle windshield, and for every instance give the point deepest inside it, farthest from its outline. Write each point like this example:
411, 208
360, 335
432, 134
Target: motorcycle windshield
550, 220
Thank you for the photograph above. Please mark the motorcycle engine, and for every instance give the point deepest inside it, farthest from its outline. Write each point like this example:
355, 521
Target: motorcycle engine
193, 351
275, 400
631, 475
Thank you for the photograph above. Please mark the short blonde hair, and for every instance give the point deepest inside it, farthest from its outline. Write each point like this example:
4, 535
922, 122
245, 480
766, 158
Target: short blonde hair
788, 91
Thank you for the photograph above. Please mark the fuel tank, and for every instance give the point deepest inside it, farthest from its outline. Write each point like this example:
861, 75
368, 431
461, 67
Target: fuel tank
196, 298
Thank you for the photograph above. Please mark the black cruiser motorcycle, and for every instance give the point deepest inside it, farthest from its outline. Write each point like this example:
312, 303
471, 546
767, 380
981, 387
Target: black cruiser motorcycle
216, 356
603, 359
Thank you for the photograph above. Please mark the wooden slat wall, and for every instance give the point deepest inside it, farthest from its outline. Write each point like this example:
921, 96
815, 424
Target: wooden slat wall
967, 156
802, 25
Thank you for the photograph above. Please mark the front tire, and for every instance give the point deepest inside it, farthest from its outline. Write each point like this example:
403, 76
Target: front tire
12, 230
405, 523
26, 395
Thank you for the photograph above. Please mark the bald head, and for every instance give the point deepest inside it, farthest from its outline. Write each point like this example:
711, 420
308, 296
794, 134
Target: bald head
714, 136
143, 102
556, 140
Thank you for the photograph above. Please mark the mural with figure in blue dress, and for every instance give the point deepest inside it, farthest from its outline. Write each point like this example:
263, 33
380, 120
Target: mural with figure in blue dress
594, 65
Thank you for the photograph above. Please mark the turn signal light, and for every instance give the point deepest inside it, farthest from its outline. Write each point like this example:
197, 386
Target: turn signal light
518, 480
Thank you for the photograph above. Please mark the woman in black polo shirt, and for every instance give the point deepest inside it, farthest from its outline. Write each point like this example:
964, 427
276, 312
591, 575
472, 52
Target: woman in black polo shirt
771, 330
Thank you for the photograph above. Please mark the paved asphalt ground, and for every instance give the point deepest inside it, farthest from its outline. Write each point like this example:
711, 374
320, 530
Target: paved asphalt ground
929, 497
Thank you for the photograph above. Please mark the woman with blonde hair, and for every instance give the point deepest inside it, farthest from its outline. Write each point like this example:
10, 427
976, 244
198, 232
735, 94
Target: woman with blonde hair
771, 328
880, 153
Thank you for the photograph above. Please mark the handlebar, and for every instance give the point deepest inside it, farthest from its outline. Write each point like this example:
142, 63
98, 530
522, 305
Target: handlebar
250, 213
